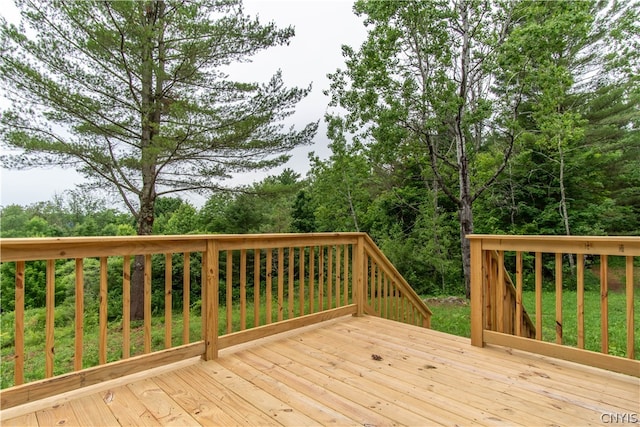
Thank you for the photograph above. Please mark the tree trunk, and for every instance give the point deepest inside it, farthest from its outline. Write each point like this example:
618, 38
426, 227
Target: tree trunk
151, 96
563, 203
466, 199
466, 214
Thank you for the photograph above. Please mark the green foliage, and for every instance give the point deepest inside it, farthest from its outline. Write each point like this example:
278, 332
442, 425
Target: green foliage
134, 95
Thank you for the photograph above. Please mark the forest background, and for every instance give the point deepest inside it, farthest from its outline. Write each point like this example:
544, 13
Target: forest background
520, 124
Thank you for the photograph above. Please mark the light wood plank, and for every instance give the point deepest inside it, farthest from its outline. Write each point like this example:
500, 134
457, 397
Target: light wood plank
36, 390
558, 298
79, 316
630, 311
230, 402
127, 408
269, 287
50, 318
256, 287
604, 361
160, 404
168, 298
406, 372
18, 374
277, 410
604, 304
229, 291
243, 289
126, 307
290, 295
580, 297
186, 297
211, 278
280, 284
477, 297
261, 377
28, 420
538, 280
197, 404
93, 410
61, 414
103, 298
147, 303
312, 278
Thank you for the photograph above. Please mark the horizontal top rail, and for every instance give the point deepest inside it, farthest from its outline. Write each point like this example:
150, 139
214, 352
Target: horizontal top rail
587, 245
31, 249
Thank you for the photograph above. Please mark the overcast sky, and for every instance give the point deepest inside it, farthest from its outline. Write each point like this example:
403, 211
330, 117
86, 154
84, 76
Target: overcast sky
321, 26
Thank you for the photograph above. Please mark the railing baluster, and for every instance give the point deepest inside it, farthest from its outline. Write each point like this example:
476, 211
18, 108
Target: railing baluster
386, 298
312, 282
302, 283
604, 304
558, 298
102, 347
186, 297
329, 276
168, 298
229, 291
256, 286
538, 295
147, 303
269, 284
519, 306
18, 374
338, 290
500, 294
243, 289
291, 280
580, 296
50, 317
359, 273
345, 269
211, 285
280, 284
79, 315
379, 292
126, 307
321, 279
630, 322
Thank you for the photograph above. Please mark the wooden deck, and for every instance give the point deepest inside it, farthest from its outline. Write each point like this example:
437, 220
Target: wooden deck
325, 375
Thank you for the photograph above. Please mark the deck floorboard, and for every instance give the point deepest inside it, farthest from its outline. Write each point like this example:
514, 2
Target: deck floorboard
327, 374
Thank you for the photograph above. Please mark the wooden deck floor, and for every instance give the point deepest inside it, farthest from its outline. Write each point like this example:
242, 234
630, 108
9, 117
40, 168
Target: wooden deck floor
326, 375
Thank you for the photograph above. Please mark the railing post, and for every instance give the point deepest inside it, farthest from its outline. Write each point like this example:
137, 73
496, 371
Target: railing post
359, 276
210, 300
477, 297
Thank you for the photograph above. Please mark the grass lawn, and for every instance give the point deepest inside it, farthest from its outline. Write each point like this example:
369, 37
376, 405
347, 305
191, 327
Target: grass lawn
452, 315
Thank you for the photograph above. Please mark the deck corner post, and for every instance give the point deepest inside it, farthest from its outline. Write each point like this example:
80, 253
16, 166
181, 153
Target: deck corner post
211, 286
477, 297
359, 276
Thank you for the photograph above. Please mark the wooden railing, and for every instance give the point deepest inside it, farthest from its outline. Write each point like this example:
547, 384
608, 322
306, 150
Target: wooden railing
510, 316
232, 289
491, 308
386, 292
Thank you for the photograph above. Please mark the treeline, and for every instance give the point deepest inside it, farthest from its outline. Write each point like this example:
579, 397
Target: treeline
414, 224
451, 118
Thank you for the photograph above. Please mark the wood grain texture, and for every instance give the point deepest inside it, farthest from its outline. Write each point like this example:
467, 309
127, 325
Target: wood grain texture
324, 374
